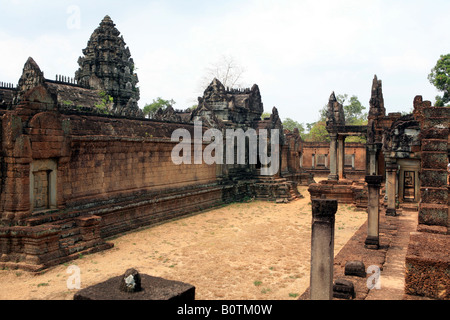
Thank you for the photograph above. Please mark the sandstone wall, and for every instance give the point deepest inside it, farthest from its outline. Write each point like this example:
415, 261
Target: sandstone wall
321, 166
70, 180
124, 167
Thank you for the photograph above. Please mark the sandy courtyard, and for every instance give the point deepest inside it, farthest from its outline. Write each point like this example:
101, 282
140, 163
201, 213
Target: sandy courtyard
243, 251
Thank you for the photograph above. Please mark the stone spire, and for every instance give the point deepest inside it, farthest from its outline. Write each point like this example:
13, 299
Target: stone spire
376, 99
32, 76
107, 65
215, 91
376, 110
335, 112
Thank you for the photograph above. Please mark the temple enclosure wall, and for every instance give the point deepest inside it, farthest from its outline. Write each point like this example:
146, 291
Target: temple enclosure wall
316, 159
131, 169
83, 178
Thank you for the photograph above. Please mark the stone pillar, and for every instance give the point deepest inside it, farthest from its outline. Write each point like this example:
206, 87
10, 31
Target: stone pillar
391, 188
322, 249
341, 157
372, 159
333, 157
373, 209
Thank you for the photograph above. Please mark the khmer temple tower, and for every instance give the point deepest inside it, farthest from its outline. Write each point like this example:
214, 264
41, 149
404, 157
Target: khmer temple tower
107, 65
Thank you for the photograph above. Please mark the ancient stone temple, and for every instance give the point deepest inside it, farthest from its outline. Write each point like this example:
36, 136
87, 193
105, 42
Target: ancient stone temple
106, 65
79, 163
337, 186
242, 107
228, 109
407, 157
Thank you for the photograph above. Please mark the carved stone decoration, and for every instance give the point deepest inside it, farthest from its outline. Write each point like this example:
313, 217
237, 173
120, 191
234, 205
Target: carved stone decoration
377, 101
335, 113
240, 106
32, 76
107, 65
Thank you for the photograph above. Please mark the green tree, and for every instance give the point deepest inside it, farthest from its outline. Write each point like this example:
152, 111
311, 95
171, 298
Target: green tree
157, 104
319, 132
440, 78
354, 112
290, 125
265, 115
106, 104
354, 115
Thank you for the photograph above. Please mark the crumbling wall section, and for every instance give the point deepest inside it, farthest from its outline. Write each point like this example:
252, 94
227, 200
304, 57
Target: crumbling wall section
427, 260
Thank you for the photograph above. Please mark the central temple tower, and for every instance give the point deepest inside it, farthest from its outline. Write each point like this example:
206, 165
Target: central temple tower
107, 66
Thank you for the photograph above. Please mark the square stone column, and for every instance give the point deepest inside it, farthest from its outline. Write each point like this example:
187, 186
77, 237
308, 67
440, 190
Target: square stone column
391, 188
372, 153
341, 157
333, 157
373, 209
322, 249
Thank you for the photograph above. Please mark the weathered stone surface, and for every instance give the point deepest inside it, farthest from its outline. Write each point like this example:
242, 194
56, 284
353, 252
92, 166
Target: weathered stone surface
434, 145
428, 266
324, 209
242, 107
152, 288
131, 281
355, 268
107, 66
434, 133
432, 195
433, 214
433, 178
374, 180
344, 289
335, 113
435, 160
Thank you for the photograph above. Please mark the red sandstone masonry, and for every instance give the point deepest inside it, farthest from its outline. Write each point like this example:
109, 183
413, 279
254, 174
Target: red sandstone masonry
116, 168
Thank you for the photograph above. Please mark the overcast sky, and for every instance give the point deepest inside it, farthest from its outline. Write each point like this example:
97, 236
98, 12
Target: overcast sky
298, 52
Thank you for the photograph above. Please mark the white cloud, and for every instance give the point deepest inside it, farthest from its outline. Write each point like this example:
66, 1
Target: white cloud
296, 51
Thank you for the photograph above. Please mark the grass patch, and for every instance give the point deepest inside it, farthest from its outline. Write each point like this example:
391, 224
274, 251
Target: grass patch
43, 284
257, 283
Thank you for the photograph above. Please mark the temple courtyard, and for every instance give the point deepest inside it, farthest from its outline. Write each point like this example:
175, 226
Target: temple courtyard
253, 250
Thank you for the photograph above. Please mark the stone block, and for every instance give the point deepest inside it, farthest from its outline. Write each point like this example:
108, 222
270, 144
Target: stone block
428, 266
436, 112
433, 178
355, 268
434, 160
344, 289
152, 288
324, 209
434, 133
434, 195
374, 180
434, 145
433, 214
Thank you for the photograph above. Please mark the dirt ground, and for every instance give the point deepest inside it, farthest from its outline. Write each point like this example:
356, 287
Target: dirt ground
243, 251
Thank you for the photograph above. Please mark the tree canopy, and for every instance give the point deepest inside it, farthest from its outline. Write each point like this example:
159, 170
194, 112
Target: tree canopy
440, 78
290, 124
157, 103
354, 115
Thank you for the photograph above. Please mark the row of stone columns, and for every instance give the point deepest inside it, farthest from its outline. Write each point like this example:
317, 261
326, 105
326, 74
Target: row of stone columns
322, 238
